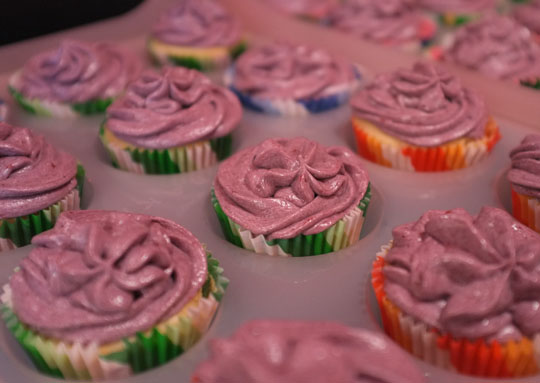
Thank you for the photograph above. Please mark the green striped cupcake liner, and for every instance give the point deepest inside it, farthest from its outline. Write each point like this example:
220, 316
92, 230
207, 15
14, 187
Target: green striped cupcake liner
342, 234
138, 353
182, 159
18, 231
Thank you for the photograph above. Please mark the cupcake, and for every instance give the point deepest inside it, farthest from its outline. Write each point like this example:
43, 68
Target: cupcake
529, 15
37, 183
422, 119
198, 34
308, 9
105, 295
287, 79
76, 78
457, 12
292, 197
461, 292
174, 121
498, 47
396, 23
266, 351
524, 177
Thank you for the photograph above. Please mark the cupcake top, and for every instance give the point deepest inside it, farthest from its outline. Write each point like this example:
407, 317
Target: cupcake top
172, 108
287, 71
525, 173
77, 72
423, 106
197, 23
387, 21
458, 6
469, 276
33, 174
285, 187
99, 276
496, 46
312, 8
529, 15
267, 351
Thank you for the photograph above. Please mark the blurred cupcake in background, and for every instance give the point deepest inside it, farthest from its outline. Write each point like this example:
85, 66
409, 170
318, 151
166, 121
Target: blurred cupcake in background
458, 12
308, 9
528, 14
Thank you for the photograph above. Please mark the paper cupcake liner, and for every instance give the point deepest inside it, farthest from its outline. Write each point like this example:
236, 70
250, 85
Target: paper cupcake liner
181, 159
192, 57
143, 351
526, 210
533, 83
381, 148
478, 357
18, 231
342, 234
3, 110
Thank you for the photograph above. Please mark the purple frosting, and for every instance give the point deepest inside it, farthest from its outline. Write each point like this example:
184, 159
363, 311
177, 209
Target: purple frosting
173, 108
33, 174
99, 276
496, 46
317, 352
285, 187
314, 8
469, 276
529, 15
458, 6
423, 106
199, 23
286, 71
77, 72
525, 173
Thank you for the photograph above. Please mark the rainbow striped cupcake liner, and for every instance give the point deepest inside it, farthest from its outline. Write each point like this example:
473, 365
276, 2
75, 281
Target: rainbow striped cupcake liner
379, 147
526, 210
342, 234
140, 352
182, 159
19, 231
470, 357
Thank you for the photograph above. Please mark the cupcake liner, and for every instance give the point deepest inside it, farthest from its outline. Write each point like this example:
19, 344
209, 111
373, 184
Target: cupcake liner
533, 83
140, 352
381, 148
478, 357
209, 58
526, 210
181, 159
18, 231
3, 110
342, 234
456, 19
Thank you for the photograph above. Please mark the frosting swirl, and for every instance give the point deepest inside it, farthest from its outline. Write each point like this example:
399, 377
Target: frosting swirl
99, 276
33, 174
498, 47
286, 71
200, 23
458, 6
423, 106
525, 173
285, 187
529, 15
77, 72
173, 108
472, 277
295, 351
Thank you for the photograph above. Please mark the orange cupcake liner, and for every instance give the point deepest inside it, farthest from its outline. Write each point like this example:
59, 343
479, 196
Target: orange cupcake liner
477, 358
526, 210
381, 148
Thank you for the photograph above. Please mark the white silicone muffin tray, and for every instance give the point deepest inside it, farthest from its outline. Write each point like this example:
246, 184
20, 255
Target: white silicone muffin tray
335, 286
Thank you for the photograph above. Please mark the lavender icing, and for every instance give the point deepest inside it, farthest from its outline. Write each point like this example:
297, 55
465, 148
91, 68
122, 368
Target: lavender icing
172, 108
286, 71
267, 351
470, 276
99, 276
525, 172
458, 6
199, 23
33, 174
77, 72
423, 106
529, 15
314, 8
285, 187
496, 46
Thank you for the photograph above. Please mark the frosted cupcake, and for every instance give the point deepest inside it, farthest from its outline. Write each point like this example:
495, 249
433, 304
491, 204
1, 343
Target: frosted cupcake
37, 183
292, 197
76, 78
105, 295
308, 9
457, 12
396, 23
198, 34
461, 292
422, 119
294, 80
308, 352
174, 121
529, 15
